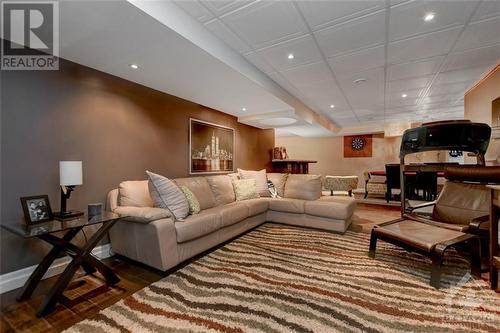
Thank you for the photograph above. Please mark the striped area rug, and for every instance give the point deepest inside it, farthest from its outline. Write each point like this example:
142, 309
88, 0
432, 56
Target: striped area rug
286, 279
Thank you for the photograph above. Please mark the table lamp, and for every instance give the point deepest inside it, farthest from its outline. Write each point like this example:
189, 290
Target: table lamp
70, 175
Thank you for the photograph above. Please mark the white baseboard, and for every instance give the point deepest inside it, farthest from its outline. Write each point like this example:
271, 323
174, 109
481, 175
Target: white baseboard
16, 279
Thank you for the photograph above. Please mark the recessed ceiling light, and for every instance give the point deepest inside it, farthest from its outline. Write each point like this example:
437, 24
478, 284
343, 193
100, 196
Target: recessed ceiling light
429, 17
404, 95
361, 80
332, 106
134, 66
291, 56
243, 109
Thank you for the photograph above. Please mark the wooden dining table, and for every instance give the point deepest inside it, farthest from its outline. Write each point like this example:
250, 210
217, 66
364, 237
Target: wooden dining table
407, 173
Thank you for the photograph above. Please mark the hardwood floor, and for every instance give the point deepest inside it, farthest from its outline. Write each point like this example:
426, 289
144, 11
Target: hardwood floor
89, 294
86, 296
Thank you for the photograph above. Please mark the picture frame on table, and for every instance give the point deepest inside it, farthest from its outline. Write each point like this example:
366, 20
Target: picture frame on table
36, 209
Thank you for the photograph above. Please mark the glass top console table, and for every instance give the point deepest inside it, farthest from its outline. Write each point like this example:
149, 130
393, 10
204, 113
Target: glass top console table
81, 256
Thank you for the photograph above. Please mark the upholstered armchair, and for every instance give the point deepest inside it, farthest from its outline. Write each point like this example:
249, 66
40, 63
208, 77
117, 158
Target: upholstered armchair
373, 186
464, 202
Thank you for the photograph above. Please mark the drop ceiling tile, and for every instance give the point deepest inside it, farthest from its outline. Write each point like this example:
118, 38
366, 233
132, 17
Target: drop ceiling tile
440, 99
415, 68
196, 10
304, 50
226, 35
325, 93
356, 34
464, 75
484, 56
366, 95
407, 18
220, 7
409, 84
266, 23
395, 99
450, 88
307, 74
358, 61
319, 14
259, 62
424, 46
487, 8
479, 34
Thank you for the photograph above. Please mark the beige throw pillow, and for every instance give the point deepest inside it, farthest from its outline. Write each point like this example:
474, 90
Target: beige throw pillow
245, 189
260, 180
306, 187
166, 194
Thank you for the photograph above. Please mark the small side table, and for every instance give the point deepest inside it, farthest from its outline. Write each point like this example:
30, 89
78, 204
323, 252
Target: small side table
81, 256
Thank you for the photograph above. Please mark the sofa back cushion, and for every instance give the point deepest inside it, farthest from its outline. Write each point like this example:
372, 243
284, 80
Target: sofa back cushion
459, 203
222, 189
201, 190
305, 187
134, 193
166, 194
260, 180
278, 180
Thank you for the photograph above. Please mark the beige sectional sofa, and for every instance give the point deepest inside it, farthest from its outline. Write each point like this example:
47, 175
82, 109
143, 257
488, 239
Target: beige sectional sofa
151, 236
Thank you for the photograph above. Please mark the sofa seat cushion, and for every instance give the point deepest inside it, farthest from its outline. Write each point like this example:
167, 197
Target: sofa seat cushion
231, 213
256, 206
196, 226
338, 210
287, 205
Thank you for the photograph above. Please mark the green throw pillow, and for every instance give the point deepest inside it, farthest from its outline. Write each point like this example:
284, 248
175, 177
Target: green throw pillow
194, 204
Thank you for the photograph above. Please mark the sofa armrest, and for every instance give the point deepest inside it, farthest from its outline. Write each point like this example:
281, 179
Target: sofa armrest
141, 214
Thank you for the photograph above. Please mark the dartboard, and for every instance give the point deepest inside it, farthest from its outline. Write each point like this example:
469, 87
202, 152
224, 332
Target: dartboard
357, 143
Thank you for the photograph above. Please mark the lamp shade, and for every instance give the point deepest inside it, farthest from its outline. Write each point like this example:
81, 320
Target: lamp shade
70, 173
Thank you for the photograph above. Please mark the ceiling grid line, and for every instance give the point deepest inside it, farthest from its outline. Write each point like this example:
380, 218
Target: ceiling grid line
326, 61
443, 63
254, 50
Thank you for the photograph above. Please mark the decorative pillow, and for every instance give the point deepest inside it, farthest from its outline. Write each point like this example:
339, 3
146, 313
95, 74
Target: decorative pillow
166, 194
194, 204
134, 193
260, 180
305, 187
245, 189
279, 180
222, 188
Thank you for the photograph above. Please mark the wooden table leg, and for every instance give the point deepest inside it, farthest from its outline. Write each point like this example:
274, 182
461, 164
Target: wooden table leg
80, 257
44, 265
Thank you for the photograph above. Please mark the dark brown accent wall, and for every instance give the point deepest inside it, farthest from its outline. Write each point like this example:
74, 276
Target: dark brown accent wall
116, 127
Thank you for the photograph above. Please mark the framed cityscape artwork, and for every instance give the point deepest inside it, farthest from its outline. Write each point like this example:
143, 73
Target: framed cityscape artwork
211, 148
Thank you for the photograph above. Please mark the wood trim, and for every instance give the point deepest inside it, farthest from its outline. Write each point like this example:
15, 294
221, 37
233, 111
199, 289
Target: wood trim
483, 79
